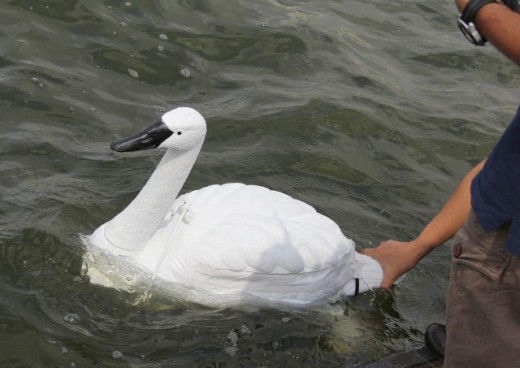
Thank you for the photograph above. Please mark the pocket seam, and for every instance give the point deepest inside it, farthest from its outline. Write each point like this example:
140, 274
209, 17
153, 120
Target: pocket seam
477, 266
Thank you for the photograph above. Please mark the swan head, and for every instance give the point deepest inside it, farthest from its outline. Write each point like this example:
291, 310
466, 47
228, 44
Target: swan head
180, 129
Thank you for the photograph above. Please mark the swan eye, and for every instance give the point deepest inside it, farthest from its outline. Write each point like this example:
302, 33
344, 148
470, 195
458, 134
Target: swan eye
179, 133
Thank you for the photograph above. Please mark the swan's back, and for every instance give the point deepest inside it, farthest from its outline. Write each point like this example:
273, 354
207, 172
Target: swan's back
245, 237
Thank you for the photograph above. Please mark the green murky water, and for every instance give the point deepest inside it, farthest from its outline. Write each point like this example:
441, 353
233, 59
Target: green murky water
369, 111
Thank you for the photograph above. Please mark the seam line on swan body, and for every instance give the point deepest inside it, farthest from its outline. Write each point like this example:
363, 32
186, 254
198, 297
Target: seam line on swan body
182, 210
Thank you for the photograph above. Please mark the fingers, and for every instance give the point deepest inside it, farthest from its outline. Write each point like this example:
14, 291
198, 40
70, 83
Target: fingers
392, 257
386, 282
366, 251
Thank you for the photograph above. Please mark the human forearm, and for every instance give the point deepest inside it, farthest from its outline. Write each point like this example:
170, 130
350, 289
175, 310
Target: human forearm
446, 223
397, 257
500, 26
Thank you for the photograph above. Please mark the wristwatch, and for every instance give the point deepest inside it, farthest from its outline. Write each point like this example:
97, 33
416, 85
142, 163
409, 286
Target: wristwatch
466, 21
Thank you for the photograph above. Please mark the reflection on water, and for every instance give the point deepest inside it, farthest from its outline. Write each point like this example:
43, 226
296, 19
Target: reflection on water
369, 111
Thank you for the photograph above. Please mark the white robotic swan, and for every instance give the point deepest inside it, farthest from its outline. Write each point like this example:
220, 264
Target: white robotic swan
225, 244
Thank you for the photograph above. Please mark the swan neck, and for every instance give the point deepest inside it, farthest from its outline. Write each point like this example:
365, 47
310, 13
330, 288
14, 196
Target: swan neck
135, 225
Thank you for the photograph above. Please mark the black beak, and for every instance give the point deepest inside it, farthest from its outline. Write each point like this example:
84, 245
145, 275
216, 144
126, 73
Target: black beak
151, 137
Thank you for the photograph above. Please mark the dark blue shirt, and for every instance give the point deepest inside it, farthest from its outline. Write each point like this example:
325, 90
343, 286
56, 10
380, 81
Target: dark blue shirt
495, 191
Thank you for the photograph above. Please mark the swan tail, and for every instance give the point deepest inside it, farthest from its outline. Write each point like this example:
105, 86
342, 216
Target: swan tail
369, 272
368, 275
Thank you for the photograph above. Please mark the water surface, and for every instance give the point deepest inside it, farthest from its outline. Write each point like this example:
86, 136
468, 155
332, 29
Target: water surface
369, 111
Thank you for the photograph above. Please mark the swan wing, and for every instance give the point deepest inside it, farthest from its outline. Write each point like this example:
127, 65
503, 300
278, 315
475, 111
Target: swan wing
243, 230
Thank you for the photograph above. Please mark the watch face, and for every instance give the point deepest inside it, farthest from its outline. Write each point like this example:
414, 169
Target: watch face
471, 33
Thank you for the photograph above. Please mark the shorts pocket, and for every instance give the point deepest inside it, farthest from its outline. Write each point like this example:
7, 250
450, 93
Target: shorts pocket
479, 250
470, 299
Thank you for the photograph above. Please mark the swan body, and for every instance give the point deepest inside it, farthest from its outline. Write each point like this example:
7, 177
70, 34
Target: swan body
226, 244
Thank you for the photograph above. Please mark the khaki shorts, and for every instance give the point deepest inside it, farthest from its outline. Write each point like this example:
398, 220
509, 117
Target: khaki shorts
483, 307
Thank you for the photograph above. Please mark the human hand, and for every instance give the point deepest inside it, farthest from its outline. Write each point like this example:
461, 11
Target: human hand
396, 258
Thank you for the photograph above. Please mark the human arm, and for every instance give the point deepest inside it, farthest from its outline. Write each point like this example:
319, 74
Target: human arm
396, 257
500, 26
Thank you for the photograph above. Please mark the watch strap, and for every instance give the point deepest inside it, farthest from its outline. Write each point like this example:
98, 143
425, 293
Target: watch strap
512, 4
469, 13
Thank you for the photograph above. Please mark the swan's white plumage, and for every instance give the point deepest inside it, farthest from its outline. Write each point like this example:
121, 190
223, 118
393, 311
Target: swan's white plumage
233, 243
255, 229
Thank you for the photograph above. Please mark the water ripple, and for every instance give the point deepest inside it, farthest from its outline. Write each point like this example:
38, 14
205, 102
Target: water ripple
369, 111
